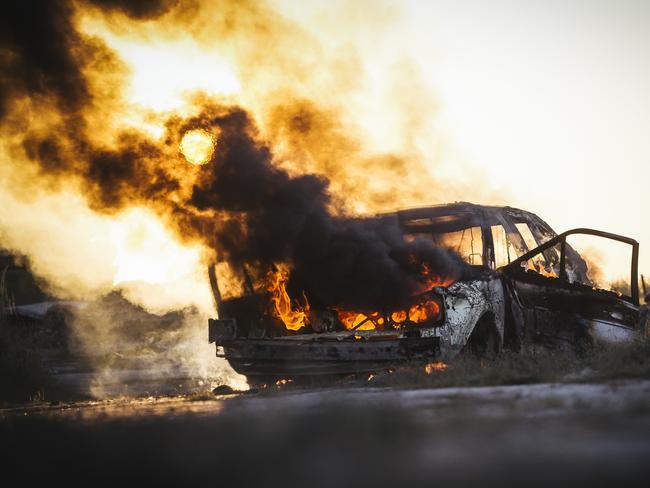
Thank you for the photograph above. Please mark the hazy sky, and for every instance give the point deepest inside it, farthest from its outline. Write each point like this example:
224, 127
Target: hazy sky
551, 99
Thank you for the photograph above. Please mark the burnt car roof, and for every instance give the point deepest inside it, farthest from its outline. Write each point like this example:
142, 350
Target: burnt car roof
449, 217
456, 207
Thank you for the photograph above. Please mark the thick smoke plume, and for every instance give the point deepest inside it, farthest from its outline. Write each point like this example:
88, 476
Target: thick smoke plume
86, 180
243, 203
43, 55
273, 217
249, 210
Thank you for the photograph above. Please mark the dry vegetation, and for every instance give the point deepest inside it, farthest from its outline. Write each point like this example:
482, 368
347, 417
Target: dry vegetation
22, 376
535, 365
26, 348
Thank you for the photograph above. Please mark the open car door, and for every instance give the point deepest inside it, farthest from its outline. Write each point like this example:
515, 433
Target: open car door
553, 300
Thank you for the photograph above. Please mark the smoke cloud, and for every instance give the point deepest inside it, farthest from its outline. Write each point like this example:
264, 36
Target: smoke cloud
289, 177
246, 204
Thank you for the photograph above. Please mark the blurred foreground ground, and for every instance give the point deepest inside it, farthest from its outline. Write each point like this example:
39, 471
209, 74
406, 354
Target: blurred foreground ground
535, 418
532, 435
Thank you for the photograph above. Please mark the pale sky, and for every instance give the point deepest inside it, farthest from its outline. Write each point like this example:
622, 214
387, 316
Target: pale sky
550, 99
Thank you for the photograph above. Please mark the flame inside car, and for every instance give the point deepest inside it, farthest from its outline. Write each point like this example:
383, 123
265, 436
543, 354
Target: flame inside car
295, 314
292, 315
543, 269
425, 310
429, 368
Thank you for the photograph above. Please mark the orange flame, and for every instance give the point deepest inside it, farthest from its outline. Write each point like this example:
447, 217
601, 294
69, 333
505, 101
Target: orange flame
294, 318
437, 366
399, 316
421, 312
417, 313
540, 267
431, 280
350, 320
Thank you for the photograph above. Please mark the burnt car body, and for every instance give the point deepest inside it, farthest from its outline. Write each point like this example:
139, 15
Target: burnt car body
530, 286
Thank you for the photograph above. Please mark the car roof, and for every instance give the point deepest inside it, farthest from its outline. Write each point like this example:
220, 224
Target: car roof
451, 208
452, 216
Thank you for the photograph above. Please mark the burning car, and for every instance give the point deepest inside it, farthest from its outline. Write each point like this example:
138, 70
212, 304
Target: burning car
527, 285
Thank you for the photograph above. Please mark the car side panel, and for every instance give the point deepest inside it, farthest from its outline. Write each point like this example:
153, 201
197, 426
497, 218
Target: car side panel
465, 303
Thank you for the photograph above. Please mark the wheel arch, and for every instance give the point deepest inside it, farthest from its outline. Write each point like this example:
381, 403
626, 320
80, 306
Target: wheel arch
486, 339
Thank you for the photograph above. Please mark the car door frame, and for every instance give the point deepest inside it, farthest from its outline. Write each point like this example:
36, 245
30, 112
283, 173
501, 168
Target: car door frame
583, 318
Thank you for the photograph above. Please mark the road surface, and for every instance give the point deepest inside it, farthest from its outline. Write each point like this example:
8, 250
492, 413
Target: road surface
532, 435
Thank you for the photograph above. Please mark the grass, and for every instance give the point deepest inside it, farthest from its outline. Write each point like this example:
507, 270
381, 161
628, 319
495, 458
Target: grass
534, 365
628, 361
22, 376
25, 345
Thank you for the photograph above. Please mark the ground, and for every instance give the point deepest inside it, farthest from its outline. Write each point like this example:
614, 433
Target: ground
542, 434
536, 418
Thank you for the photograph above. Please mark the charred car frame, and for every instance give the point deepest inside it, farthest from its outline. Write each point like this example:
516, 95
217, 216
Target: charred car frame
530, 286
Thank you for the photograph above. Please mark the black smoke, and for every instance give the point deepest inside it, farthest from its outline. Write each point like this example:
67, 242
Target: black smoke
36, 40
242, 203
355, 263
41, 53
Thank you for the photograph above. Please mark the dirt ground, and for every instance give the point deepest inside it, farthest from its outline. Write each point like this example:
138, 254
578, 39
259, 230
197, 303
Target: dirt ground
542, 434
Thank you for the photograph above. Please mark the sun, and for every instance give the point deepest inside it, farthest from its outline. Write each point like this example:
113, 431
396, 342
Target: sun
197, 146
